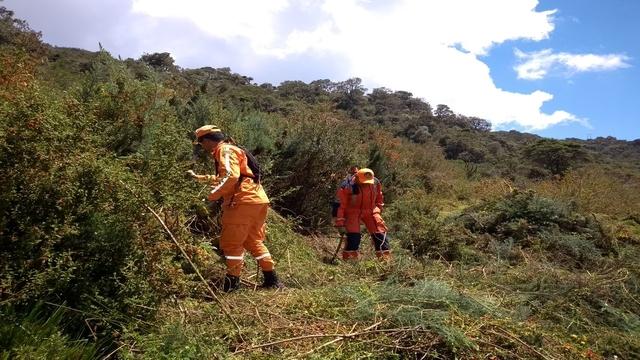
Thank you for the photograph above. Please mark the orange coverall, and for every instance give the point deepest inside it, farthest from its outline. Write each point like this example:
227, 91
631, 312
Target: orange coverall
244, 210
362, 203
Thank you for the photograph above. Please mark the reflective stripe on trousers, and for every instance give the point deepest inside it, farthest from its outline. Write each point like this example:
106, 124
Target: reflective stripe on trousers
243, 228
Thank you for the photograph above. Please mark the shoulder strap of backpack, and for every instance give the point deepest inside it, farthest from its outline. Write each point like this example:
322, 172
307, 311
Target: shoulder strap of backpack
253, 164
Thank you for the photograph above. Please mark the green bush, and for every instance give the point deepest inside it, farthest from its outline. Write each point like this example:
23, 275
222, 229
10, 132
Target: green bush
75, 177
427, 304
175, 340
414, 224
526, 220
40, 336
307, 166
571, 249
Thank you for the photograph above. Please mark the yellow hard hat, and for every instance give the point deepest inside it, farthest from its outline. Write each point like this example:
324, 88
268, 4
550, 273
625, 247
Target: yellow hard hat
204, 130
207, 129
365, 176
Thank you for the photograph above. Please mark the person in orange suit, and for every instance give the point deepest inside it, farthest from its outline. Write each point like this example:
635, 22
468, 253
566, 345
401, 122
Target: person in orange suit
244, 209
361, 200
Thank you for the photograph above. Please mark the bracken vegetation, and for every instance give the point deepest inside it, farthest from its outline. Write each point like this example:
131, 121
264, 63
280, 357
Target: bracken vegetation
506, 245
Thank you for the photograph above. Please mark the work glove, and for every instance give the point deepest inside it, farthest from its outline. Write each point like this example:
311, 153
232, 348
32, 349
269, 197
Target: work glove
205, 179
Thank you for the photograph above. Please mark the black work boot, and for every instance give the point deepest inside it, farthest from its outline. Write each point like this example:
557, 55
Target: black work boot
230, 283
271, 280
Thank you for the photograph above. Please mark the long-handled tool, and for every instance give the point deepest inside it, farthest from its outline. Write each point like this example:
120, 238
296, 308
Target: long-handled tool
333, 259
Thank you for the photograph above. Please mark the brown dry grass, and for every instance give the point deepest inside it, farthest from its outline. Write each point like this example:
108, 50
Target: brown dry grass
596, 190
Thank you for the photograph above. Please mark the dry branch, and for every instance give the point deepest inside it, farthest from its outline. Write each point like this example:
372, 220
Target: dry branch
338, 336
510, 336
351, 333
223, 306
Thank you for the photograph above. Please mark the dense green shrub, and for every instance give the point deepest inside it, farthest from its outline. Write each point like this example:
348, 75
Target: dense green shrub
415, 226
526, 220
308, 163
424, 305
38, 335
506, 215
76, 175
571, 248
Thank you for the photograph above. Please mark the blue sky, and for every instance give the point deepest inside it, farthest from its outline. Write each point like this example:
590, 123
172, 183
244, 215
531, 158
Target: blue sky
560, 69
607, 99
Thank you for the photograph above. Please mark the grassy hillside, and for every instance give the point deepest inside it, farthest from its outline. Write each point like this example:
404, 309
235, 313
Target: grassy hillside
505, 244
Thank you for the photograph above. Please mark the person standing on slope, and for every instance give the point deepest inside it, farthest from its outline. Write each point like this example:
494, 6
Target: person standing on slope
362, 201
244, 209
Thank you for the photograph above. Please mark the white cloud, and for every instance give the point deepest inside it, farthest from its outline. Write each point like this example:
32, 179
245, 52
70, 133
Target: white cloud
431, 48
228, 20
536, 65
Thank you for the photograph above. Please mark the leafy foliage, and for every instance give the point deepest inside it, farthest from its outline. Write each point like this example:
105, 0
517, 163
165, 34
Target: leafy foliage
304, 148
416, 226
38, 336
555, 156
528, 220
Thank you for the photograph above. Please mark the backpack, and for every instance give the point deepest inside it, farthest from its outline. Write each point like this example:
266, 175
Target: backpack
253, 164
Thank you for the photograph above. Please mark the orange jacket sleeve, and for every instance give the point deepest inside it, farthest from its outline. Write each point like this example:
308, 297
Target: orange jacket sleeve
228, 172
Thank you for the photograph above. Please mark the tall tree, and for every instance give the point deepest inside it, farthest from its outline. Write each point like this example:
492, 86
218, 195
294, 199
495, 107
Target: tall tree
443, 112
556, 156
349, 96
